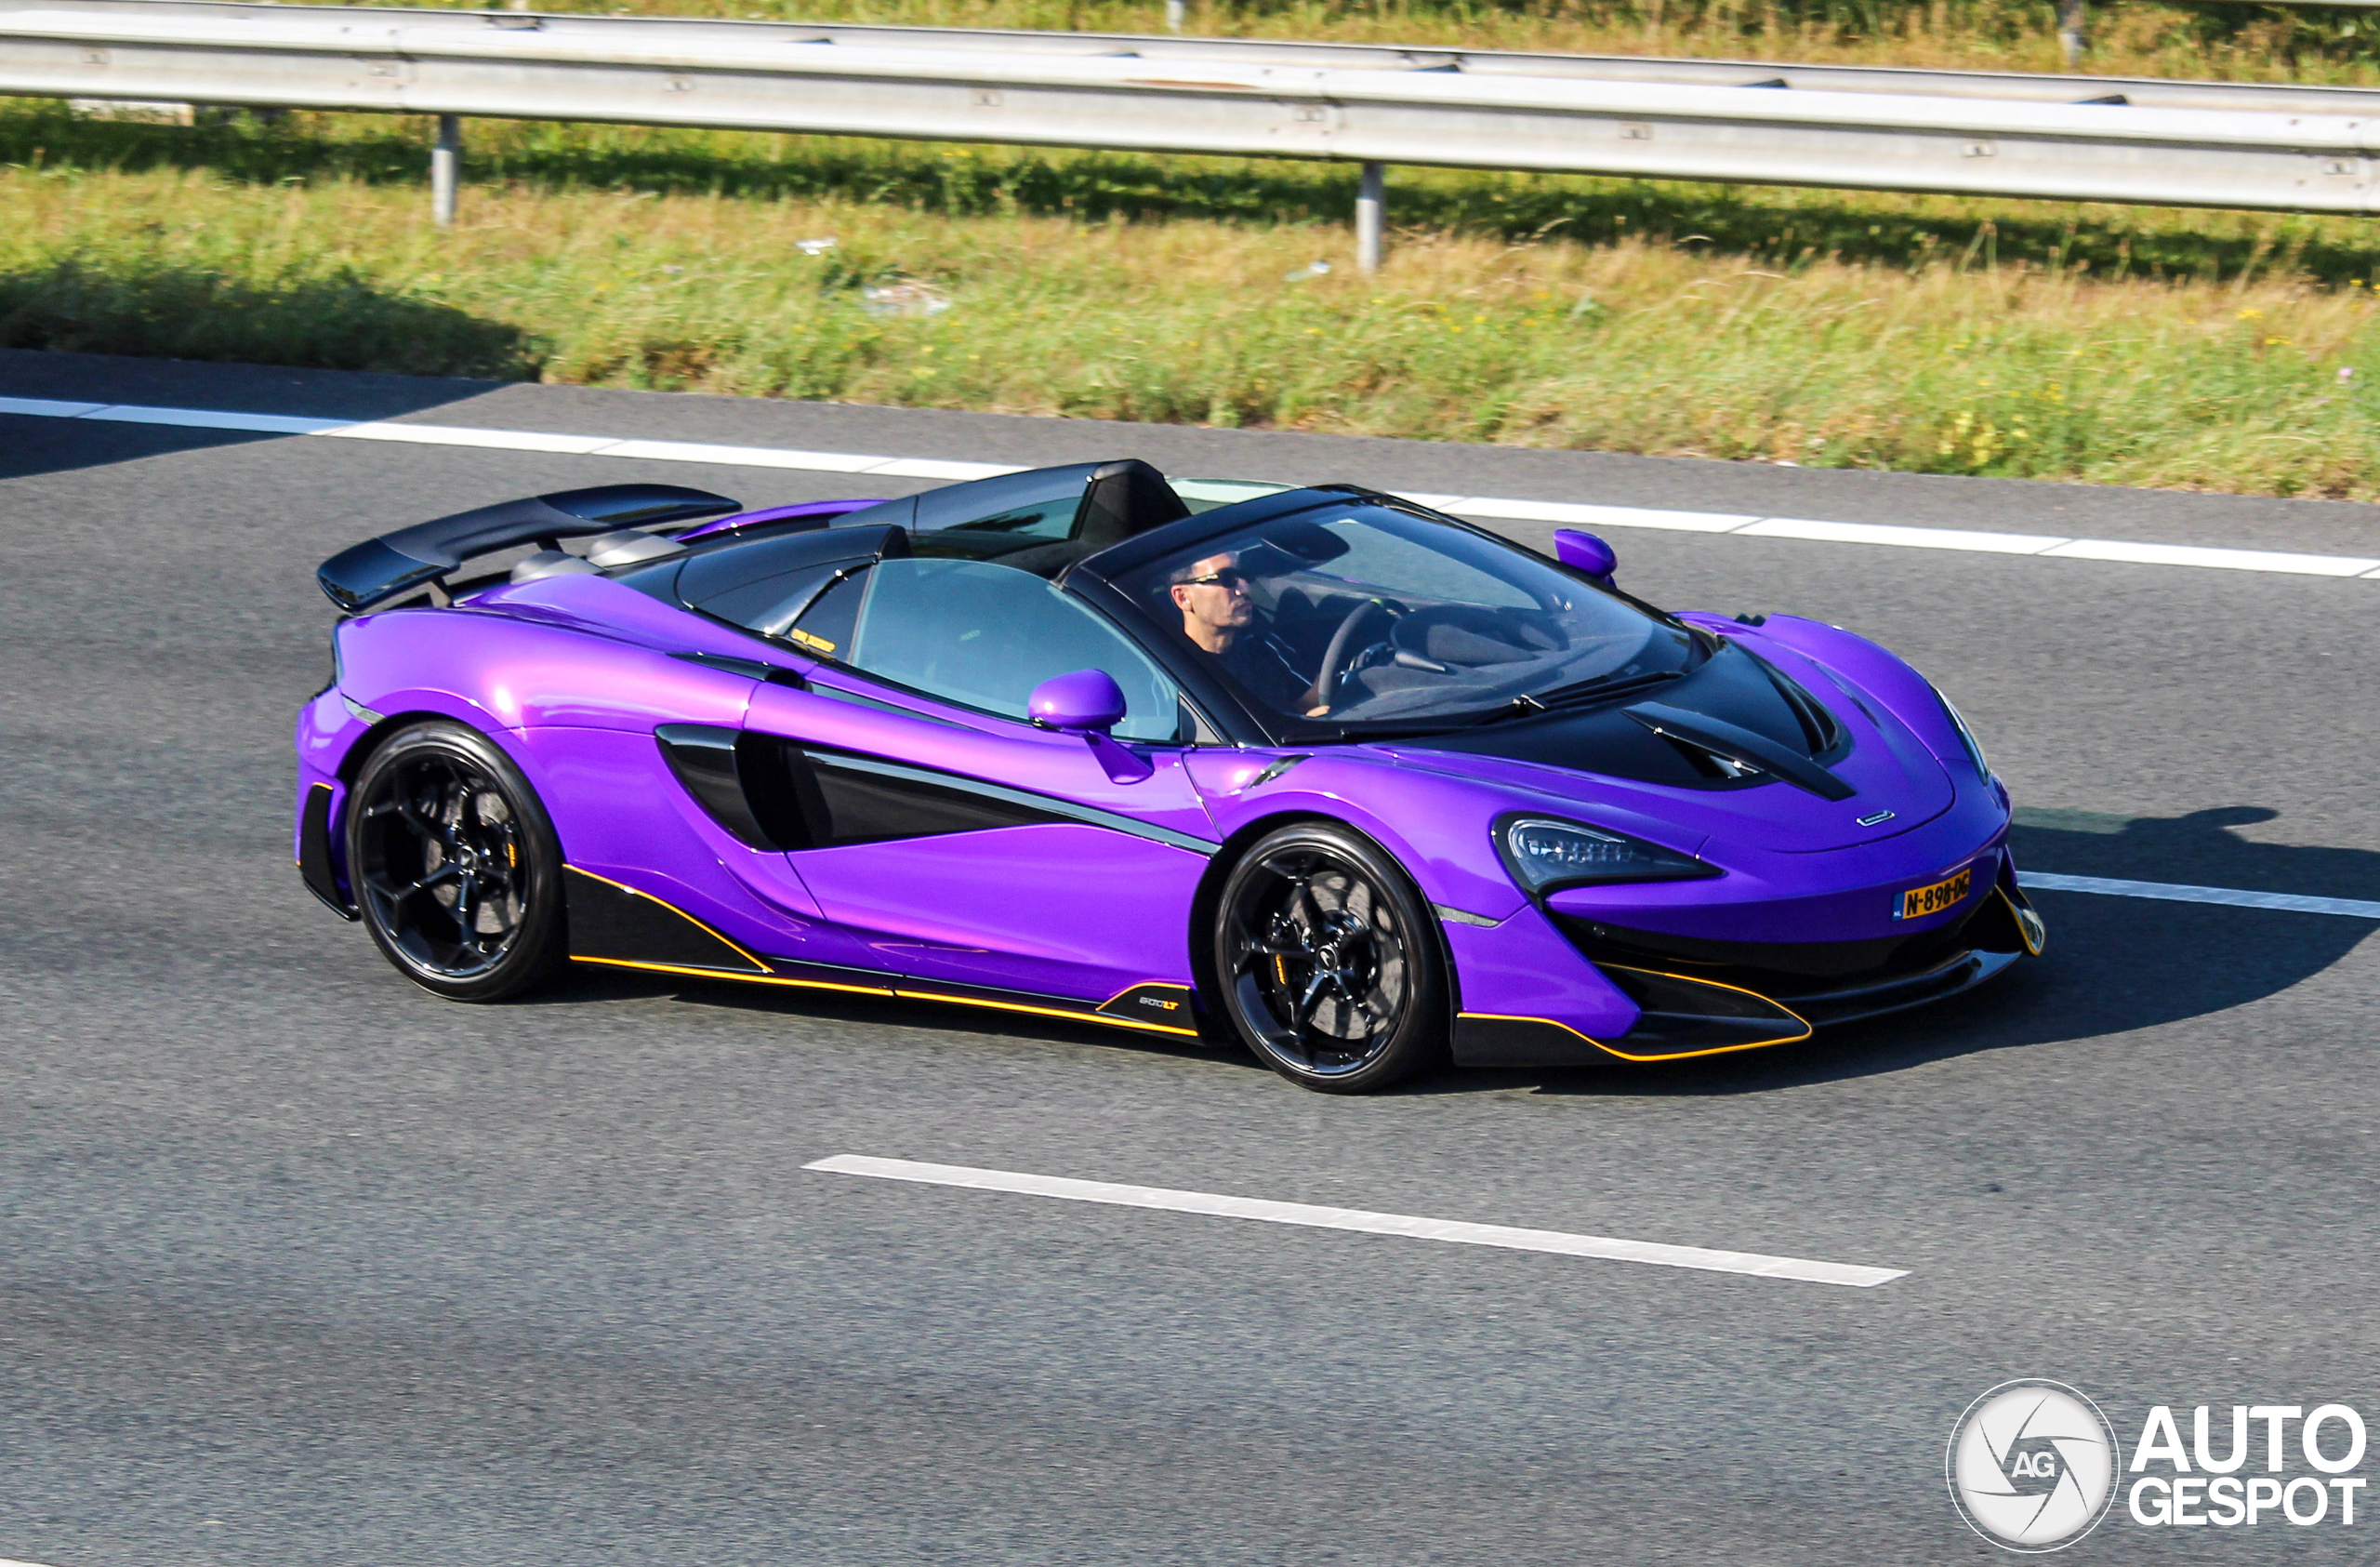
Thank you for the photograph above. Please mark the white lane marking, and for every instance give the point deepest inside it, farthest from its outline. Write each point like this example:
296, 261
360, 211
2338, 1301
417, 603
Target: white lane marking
745, 457
935, 467
1594, 516
1356, 1219
465, 435
210, 418
2040, 546
2231, 560
1908, 539
44, 408
2170, 892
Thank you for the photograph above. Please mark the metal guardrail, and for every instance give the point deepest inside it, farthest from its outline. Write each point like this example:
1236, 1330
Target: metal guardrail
2061, 138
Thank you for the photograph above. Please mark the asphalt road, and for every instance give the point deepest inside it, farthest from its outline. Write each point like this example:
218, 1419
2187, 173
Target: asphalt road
300, 1266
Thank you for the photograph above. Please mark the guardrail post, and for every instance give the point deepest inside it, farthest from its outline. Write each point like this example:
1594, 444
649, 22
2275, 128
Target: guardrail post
445, 168
2069, 30
1371, 215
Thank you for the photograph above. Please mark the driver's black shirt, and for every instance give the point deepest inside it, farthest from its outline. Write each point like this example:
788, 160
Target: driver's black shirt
1261, 665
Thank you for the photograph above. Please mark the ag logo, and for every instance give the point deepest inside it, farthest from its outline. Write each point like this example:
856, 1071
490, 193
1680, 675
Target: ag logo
2032, 1466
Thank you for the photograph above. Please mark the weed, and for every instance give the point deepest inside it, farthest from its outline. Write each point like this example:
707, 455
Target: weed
1915, 333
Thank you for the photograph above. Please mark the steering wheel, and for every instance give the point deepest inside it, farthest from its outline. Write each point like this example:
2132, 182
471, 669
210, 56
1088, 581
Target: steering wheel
1339, 658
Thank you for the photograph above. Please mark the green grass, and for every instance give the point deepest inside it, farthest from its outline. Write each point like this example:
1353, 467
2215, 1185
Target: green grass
2200, 350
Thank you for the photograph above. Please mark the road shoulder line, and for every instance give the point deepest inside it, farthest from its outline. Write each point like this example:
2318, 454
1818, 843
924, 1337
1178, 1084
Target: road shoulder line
1493, 508
2172, 892
1216, 1205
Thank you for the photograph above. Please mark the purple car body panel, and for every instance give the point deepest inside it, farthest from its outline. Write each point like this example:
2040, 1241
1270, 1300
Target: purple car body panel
1768, 895
1858, 667
616, 808
1064, 910
1078, 882
982, 747
600, 607
1058, 910
1435, 824
1523, 968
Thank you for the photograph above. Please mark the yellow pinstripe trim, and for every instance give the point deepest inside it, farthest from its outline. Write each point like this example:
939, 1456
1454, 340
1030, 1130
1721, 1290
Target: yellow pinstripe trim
1715, 1050
766, 979
300, 861
2014, 913
664, 903
1048, 1011
732, 974
1147, 984
1675, 1055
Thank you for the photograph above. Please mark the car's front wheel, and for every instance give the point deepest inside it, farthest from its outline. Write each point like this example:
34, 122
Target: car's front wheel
1326, 963
454, 866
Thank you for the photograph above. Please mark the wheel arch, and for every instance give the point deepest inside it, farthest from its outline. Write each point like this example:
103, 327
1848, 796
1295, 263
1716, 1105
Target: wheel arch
542, 899
1208, 899
382, 730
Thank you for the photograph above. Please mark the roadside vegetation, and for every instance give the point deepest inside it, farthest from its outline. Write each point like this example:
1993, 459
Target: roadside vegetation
2216, 350
2130, 37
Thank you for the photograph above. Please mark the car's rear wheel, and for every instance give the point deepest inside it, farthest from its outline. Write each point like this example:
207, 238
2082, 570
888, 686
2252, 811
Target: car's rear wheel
1326, 965
454, 866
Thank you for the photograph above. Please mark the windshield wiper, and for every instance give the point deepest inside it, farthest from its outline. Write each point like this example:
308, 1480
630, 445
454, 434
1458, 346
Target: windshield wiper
1601, 688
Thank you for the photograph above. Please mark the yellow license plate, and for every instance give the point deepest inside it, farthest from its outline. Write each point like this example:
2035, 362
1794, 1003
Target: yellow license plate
1920, 902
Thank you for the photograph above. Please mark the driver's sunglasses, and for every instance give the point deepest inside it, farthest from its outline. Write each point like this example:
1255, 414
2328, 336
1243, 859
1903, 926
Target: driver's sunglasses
1230, 576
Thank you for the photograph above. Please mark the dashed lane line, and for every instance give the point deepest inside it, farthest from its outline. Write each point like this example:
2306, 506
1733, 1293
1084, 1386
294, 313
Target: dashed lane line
1493, 508
2169, 892
1218, 1207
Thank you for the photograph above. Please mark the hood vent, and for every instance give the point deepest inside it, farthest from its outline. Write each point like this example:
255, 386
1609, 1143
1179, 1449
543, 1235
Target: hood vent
1734, 751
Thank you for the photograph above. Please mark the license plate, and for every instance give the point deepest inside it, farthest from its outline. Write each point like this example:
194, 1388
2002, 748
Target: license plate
1920, 902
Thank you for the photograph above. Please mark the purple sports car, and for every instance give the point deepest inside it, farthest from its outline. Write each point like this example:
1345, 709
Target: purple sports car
1357, 784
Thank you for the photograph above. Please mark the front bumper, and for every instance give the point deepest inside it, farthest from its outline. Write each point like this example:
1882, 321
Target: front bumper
1715, 998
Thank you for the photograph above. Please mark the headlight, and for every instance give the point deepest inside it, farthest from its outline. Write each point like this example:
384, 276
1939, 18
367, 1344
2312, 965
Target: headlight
1544, 854
1966, 735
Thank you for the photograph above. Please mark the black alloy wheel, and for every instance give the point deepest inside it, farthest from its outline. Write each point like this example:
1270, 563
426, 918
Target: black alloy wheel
1328, 966
454, 866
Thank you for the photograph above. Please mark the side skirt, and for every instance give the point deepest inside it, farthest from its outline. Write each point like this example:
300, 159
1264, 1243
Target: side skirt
612, 924
617, 926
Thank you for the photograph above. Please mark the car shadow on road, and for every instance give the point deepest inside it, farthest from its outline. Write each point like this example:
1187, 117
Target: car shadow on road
204, 376
2115, 964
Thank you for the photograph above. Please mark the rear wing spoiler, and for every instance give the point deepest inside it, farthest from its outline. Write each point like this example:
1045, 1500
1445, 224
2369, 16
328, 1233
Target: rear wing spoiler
380, 569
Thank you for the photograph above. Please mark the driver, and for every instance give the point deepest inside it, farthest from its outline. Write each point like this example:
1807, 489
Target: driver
1219, 620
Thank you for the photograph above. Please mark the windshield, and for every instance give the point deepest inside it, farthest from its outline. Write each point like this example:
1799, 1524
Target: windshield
1365, 614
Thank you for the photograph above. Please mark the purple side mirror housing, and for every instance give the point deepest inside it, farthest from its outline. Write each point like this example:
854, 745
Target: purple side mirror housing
1088, 703
1584, 552
1086, 700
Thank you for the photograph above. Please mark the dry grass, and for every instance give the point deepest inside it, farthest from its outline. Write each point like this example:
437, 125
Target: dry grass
2129, 37
1951, 357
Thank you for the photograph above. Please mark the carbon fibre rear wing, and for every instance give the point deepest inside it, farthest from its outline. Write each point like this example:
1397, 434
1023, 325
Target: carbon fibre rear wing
380, 569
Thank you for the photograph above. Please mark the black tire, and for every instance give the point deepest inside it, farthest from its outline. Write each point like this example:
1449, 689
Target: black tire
455, 865
1326, 963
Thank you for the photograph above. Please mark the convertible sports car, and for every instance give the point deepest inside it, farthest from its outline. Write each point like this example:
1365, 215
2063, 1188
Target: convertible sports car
1354, 782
